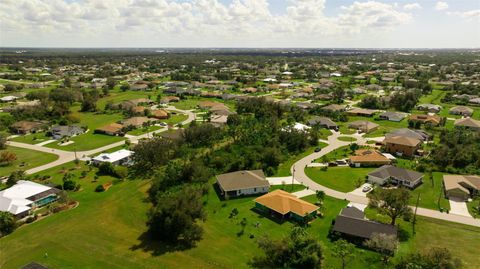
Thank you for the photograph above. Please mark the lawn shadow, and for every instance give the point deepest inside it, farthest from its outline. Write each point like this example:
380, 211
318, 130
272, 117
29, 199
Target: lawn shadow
158, 248
263, 214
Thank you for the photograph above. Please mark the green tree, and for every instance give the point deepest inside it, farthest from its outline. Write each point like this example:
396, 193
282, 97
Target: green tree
7, 223
434, 258
344, 251
391, 202
298, 250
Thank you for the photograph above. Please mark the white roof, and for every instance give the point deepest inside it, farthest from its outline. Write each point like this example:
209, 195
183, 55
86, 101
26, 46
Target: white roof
287, 73
8, 98
301, 126
114, 156
269, 80
389, 156
14, 199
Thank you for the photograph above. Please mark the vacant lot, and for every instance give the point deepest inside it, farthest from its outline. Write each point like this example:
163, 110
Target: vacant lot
344, 179
26, 159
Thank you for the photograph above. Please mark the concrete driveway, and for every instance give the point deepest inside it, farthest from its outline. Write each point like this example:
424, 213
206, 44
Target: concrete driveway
458, 207
359, 191
281, 180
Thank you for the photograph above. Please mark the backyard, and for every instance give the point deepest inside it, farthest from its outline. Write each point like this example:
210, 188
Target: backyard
284, 168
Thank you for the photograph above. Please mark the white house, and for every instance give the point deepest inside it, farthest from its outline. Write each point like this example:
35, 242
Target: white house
120, 157
242, 183
24, 196
395, 175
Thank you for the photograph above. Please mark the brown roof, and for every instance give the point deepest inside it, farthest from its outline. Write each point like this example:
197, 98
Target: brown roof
362, 111
138, 109
26, 125
136, 121
160, 114
283, 202
426, 118
402, 140
368, 156
111, 128
210, 105
242, 180
468, 122
363, 125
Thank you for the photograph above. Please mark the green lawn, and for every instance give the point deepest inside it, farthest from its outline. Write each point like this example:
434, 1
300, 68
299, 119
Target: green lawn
324, 133
192, 102
117, 96
347, 138
30, 158
32, 138
340, 153
142, 130
342, 179
105, 231
90, 140
284, 168
431, 193
437, 233
471, 210
175, 119
288, 187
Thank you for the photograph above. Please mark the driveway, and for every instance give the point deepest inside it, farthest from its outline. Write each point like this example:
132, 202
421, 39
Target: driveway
303, 193
281, 180
359, 191
458, 207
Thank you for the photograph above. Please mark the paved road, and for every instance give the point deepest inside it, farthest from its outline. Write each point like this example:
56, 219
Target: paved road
298, 170
68, 156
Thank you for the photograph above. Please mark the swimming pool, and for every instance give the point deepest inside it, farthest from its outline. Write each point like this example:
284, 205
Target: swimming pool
46, 200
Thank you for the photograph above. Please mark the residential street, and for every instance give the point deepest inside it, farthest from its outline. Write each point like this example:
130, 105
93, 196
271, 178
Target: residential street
298, 170
68, 156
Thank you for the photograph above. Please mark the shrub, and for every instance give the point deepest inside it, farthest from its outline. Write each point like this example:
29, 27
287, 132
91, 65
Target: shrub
100, 188
121, 171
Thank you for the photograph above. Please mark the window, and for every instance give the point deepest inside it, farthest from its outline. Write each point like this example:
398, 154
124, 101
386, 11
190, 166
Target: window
254, 189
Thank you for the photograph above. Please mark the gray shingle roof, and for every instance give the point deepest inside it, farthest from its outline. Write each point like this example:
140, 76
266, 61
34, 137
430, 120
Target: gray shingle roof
242, 180
388, 171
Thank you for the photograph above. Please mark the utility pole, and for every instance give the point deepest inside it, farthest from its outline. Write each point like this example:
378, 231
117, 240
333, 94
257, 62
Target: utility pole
415, 214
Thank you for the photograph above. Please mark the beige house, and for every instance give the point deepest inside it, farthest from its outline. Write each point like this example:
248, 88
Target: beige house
363, 126
402, 145
460, 186
242, 183
468, 123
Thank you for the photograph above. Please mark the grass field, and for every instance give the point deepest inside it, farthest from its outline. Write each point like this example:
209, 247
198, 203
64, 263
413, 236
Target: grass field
347, 138
117, 96
175, 119
105, 231
192, 102
30, 158
284, 168
143, 130
32, 138
431, 193
342, 179
340, 153
288, 187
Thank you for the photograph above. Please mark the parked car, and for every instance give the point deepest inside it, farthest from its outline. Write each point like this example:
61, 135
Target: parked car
341, 162
317, 149
366, 189
163, 124
330, 164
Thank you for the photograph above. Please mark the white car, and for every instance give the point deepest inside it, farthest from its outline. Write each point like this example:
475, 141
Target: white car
366, 189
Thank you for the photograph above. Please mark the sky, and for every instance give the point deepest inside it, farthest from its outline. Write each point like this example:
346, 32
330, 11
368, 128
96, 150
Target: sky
241, 23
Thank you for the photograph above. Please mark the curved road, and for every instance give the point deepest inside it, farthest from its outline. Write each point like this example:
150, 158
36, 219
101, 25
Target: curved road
298, 171
68, 156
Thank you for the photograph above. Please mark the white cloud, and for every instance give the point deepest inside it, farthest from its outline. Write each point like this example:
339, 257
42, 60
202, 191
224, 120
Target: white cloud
181, 22
468, 15
371, 15
412, 6
440, 5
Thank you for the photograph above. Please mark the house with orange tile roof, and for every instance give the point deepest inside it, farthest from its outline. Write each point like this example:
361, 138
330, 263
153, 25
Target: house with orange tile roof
402, 145
284, 205
368, 157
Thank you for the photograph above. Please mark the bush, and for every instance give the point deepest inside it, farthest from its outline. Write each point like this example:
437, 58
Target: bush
121, 172
100, 188
69, 185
